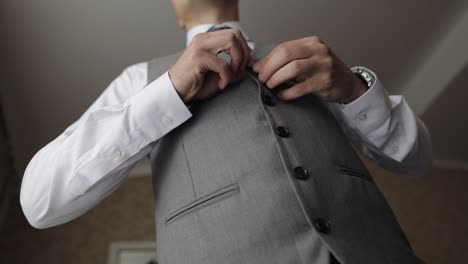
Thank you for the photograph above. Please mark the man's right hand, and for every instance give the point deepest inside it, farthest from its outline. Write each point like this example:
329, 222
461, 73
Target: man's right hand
199, 73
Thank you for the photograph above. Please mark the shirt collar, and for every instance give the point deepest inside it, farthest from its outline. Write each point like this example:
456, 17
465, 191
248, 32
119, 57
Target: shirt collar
201, 28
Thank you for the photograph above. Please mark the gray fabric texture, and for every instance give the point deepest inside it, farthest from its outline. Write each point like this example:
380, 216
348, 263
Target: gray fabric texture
226, 192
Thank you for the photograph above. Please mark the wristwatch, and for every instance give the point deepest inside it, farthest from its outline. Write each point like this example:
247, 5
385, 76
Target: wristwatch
365, 75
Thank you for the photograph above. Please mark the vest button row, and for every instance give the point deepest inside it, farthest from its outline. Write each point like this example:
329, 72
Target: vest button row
301, 173
282, 131
322, 225
268, 100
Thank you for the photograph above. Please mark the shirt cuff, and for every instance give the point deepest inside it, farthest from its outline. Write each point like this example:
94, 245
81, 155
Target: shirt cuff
370, 110
158, 108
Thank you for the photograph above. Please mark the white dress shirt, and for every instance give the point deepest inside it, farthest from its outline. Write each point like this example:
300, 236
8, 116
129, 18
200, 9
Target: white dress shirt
93, 156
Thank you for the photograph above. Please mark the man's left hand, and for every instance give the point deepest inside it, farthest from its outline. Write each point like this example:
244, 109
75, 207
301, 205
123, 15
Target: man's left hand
315, 69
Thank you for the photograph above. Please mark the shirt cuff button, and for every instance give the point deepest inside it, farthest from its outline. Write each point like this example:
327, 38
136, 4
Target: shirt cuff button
116, 154
167, 120
362, 116
393, 148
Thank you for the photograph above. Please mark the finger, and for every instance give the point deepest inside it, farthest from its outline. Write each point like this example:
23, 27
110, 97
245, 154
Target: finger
290, 71
294, 92
237, 55
246, 52
327, 94
220, 66
280, 57
259, 64
224, 40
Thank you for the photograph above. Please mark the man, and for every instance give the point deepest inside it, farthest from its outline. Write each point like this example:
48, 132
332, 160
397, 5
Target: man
246, 169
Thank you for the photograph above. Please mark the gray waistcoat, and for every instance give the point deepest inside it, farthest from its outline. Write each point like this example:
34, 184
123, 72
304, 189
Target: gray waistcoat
251, 179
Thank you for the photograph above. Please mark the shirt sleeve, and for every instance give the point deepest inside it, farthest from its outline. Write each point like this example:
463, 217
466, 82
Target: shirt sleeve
386, 130
92, 157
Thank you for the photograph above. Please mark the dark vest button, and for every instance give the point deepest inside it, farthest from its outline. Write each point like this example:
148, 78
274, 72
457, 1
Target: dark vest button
282, 131
322, 225
301, 173
268, 100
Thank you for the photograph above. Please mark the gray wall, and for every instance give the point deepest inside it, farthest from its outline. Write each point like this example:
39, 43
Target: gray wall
448, 121
63, 53
8, 182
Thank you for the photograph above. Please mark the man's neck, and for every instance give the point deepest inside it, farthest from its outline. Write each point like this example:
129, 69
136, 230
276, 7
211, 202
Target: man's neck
205, 27
201, 28
211, 18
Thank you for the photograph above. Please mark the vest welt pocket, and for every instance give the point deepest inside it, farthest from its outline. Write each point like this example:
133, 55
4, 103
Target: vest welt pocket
204, 201
354, 173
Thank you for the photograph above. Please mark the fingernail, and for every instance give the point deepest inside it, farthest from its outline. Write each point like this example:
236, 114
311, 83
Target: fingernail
261, 78
255, 67
268, 84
